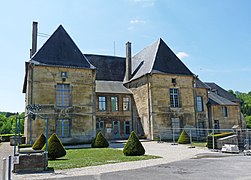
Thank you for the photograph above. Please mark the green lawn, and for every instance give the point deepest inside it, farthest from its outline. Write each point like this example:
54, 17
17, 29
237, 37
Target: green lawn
76, 158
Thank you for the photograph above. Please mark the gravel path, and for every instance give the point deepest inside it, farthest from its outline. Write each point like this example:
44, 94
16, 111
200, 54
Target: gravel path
168, 152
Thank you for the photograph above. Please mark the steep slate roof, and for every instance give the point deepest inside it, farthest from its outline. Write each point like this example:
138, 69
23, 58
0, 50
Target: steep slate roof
222, 92
157, 58
60, 50
218, 100
200, 84
108, 68
111, 87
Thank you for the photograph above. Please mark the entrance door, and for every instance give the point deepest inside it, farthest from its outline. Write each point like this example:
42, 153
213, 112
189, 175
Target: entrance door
116, 129
127, 129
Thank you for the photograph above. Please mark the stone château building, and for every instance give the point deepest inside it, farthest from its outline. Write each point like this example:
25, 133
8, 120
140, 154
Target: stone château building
152, 93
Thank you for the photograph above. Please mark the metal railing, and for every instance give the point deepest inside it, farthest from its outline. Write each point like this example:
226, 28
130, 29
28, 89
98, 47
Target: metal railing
201, 134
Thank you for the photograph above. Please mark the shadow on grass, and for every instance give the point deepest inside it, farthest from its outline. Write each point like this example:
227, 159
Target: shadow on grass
58, 159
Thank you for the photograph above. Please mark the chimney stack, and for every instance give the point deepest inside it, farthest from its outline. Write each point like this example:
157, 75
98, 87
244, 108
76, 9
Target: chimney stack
34, 39
128, 61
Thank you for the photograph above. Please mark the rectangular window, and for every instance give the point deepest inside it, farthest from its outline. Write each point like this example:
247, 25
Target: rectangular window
224, 110
126, 103
114, 103
174, 97
99, 125
127, 127
102, 103
63, 127
199, 103
63, 95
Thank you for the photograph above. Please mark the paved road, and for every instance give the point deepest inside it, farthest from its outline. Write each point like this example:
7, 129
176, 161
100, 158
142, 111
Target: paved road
222, 168
5, 151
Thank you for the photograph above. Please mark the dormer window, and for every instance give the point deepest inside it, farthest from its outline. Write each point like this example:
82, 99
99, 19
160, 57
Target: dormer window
214, 91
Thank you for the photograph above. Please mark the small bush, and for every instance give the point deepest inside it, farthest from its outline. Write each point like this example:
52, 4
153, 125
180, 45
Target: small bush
39, 143
100, 141
184, 138
216, 136
55, 147
133, 146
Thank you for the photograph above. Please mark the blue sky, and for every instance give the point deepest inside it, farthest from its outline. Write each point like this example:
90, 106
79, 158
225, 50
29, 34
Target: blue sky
212, 37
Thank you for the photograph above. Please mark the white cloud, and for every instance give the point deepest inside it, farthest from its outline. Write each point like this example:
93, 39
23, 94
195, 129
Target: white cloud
137, 21
182, 55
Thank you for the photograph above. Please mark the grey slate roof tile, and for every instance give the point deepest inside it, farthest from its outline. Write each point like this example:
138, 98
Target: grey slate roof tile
222, 92
60, 50
116, 87
157, 58
108, 68
216, 99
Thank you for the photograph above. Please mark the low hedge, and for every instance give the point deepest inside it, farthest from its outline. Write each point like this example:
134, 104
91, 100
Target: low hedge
55, 147
100, 141
39, 143
6, 137
133, 146
184, 138
216, 136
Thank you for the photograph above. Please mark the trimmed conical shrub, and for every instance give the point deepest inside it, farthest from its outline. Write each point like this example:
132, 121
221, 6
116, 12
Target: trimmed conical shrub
39, 143
184, 138
100, 141
55, 147
133, 146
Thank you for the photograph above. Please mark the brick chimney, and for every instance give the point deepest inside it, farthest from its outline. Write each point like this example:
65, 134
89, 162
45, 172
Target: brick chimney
34, 39
128, 61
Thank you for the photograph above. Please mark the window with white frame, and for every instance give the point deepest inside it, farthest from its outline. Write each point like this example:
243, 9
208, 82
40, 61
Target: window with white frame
225, 111
199, 103
63, 127
174, 97
102, 103
63, 95
114, 103
126, 103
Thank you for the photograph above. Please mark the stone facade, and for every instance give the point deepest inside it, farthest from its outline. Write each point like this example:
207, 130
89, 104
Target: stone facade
80, 112
114, 124
225, 121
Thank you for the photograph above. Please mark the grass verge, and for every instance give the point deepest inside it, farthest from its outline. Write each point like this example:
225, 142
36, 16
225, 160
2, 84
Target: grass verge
76, 158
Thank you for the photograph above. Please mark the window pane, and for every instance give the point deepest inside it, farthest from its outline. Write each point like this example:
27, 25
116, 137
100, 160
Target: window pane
102, 103
174, 97
199, 104
126, 103
114, 103
63, 127
63, 95
225, 113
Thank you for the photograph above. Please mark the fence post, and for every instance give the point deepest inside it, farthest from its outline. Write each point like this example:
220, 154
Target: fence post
191, 139
9, 169
247, 140
4, 169
213, 139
